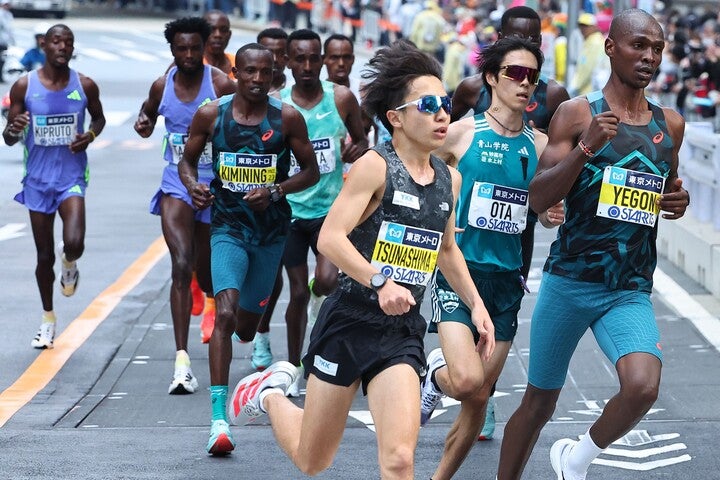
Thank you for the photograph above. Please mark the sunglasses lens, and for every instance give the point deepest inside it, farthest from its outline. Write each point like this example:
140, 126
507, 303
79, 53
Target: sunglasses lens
518, 73
429, 104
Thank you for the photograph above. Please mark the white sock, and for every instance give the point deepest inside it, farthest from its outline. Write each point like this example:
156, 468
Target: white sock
267, 392
49, 317
582, 455
182, 358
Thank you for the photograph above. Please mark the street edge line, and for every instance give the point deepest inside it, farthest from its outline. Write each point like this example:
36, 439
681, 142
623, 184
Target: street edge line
49, 362
680, 300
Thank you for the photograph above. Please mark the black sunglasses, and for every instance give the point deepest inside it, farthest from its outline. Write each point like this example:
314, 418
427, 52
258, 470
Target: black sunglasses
430, 104
519, 73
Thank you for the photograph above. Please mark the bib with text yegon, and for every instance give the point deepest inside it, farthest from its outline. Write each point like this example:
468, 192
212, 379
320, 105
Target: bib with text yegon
242, 172
630, 196
177, 143
55, 130
498, 208
406, 254
324, 153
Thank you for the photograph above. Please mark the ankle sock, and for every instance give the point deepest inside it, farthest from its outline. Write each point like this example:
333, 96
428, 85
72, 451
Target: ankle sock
265, 393
582, 455
218, 401
49, 317
182, 358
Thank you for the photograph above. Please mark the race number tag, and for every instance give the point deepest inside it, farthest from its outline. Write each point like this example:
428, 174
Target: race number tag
406, 254
55, 130
630, 196
324, 153
242, 172
498, 208
177, 143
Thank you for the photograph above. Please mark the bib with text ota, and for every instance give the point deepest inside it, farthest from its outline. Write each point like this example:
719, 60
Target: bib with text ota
498, 208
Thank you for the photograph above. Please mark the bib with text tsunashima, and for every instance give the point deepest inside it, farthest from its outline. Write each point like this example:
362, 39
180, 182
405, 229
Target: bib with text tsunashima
611, 211
246, 157
402, 237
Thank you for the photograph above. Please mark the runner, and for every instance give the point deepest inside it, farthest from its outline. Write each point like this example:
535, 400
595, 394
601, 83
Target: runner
605, 147
218, 41
56, 166
472, 93
252, 136
176, 96
496, 153
338, 58
275, 39
370, 331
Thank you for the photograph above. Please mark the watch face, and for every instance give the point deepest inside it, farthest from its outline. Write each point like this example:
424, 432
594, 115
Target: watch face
378, 280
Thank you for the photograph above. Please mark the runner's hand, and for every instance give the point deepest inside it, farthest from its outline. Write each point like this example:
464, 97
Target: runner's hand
201, 196
395, 299
483, 323
602, 129
143, 126
675, 202
258, 199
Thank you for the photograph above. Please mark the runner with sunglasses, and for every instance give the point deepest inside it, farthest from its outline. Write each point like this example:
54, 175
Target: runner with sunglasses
391, 224
496, 152
600, 269
472, 94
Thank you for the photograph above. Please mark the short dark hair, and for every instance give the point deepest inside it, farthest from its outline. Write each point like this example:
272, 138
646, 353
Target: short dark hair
187, 25
517, 12
338, 36
274, 33
303, 34
493, 55
390, 72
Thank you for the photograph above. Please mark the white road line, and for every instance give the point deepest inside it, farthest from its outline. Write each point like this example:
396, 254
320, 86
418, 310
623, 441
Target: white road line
98, 54
12, 230
140, 56
679, 300
115, 118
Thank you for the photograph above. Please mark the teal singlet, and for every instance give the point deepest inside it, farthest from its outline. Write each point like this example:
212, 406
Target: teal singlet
326, 129
493, 203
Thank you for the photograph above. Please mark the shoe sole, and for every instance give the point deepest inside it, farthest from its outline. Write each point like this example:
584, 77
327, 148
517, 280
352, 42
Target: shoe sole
66, 291
556, 459
43, 347
222, 446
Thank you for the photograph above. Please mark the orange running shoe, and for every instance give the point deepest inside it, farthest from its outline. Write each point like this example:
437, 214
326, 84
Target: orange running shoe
198, 297
207, 324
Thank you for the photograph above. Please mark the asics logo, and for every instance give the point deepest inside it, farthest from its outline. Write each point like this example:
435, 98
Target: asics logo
320, 116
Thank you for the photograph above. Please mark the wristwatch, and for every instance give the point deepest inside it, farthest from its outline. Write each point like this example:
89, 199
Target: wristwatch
377, 281
276, 192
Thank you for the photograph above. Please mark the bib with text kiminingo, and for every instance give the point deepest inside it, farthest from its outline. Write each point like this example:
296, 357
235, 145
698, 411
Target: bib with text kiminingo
630, 196
242, 172
406, 254
498, 208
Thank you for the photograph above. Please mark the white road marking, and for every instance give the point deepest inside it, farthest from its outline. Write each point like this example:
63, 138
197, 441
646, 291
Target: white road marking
140, 56
98, 54
12, 230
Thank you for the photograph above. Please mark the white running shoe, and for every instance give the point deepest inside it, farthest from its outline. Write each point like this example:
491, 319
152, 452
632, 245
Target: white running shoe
294, 390
69, 276
314, 305
430, 395
558, 457
183, 381
244, 405
45, 336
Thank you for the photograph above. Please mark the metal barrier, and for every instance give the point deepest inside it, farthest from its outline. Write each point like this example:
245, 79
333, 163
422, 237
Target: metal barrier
700, 170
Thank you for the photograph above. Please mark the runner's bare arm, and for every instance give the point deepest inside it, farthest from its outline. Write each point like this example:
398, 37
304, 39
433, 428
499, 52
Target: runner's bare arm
18, 116
145, 123
97, 117
296, 133
201, 129
675, 199
352, 116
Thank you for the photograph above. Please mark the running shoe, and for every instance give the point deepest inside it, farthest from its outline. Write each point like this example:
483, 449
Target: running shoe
45, 336
183, 381
244, 405
198, 297
221, 441
314, 305
207, 324
69, 274
558, 457
489, 428
430, 395
261, 356
294, 390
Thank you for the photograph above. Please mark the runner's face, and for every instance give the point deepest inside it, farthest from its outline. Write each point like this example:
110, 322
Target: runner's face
636, 54
305, 61
278, 47
512, 93
339, 60
254, 73
187, 49
426, 130
220, 33
59, 46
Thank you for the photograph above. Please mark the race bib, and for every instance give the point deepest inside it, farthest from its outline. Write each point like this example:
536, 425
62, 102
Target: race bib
242, 172
55, 130
498, 208
177, 143
406, 254
324, 153
630, 196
